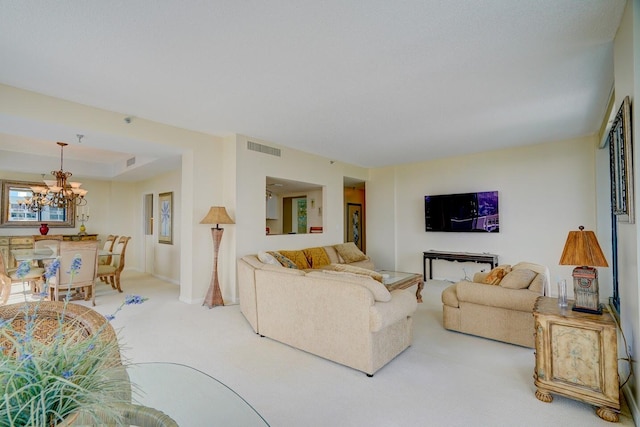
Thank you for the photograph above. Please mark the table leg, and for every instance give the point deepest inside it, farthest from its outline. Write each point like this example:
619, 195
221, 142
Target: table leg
419, 291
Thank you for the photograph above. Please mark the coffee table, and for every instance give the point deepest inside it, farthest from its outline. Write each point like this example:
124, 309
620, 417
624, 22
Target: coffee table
401, 280
191, 397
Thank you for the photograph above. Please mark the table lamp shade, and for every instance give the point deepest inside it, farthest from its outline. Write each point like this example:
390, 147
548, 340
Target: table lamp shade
217, 215
582, 249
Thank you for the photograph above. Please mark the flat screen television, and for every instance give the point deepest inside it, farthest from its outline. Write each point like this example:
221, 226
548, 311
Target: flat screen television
465, 212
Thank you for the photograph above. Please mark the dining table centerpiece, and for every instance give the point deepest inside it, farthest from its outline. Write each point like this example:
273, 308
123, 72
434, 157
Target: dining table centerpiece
51, 369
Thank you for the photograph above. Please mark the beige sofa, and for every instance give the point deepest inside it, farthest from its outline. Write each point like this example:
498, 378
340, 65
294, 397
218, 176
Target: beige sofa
348, 318
502, 311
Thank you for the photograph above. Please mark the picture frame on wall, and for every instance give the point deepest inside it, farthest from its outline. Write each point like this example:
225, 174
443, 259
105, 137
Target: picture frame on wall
165, 225
354, 224
621, 159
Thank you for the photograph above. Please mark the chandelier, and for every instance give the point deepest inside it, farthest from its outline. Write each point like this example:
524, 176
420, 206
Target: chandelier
59, 193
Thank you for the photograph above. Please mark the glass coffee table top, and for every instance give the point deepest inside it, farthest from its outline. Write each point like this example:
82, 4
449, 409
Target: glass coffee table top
190, 397
400, 280
391, 277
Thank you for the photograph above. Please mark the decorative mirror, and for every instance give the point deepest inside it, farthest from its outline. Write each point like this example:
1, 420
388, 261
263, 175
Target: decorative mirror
15, 213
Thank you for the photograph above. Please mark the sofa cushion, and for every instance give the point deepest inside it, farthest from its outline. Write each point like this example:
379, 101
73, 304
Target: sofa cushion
280, 269
518, 279
334, 258
355, 270
316, 257
497, 274
350, 252
267, 258
378, 290
283, 260
298, 258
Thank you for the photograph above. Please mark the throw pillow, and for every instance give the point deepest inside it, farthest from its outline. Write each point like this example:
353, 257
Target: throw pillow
350, 252
357, 270
316, 257
297, 257
518, 279
497, 274
283, 260
267, 258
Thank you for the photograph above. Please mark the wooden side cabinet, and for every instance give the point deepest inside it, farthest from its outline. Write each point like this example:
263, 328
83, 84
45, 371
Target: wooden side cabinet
577, 357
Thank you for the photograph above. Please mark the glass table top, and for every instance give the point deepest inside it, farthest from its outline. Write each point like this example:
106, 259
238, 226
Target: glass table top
190, 397
391, 277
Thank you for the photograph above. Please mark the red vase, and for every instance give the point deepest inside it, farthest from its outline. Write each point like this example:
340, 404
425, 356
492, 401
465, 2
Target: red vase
44, 229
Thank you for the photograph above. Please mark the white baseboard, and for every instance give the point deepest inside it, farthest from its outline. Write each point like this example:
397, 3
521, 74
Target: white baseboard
631, 402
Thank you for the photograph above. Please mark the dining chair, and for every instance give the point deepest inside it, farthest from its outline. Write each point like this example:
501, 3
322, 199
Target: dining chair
66, 280
108, 246
33, 277
47, 242
112, 271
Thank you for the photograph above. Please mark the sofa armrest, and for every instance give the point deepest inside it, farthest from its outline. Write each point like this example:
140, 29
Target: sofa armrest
496, 296
382, 314
365, 263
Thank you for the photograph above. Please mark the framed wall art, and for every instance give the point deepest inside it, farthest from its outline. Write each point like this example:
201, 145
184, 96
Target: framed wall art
165, 208
354, 224
621, 158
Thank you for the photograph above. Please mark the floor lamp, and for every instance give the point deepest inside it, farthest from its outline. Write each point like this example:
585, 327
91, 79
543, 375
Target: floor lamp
217, 215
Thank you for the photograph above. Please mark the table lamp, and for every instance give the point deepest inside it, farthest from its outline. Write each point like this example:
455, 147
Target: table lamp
217, 215
582, 249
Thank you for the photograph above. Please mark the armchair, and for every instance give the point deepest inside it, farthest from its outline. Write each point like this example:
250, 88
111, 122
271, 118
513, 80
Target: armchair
497, 304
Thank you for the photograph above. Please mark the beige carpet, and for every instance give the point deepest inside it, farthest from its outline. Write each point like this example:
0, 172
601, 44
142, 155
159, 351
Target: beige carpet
443, 379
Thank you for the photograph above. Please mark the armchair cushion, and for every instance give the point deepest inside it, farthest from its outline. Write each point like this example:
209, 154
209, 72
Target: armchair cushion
496, 275
518, 279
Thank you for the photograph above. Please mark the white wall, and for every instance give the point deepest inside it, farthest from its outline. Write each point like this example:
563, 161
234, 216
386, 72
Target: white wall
545, 191
252, 170
626, 55
164, 258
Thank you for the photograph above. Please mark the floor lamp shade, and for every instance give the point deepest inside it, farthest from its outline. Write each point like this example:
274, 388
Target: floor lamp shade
582, 249
217, 215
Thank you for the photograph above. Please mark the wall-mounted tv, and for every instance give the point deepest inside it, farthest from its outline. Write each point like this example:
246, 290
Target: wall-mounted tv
465, 212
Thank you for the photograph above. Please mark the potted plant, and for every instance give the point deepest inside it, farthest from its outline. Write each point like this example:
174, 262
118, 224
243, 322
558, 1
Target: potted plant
51, 369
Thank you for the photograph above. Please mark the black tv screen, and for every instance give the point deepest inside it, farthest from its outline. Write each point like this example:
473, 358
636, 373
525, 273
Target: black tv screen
466, 212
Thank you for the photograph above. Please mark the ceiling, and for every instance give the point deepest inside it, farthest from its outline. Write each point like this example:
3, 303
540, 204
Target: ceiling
367, 82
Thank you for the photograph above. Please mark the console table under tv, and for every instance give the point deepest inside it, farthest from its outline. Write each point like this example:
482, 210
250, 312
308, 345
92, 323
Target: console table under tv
484, 258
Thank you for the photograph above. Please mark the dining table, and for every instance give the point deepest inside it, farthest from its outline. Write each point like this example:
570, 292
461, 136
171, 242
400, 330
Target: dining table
43, 254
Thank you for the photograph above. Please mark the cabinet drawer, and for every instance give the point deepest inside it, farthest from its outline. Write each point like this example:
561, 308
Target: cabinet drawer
21, 240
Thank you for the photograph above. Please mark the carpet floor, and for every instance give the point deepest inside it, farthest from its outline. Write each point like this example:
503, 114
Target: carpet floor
444, 379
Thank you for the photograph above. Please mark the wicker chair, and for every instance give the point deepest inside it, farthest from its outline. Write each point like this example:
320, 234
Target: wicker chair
88, 322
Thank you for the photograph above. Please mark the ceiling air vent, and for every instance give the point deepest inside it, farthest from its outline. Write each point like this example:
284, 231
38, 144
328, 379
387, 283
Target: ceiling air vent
261, 148
131, 161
